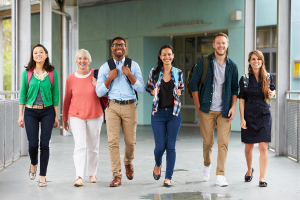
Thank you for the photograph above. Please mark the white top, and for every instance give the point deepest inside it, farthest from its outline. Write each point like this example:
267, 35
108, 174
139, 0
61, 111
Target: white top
82, 76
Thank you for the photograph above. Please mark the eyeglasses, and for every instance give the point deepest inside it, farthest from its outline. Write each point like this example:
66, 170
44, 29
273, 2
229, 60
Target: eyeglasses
118, 45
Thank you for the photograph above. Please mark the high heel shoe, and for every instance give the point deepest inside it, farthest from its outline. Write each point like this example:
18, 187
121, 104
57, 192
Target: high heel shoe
32, 175
156, 177
249, 178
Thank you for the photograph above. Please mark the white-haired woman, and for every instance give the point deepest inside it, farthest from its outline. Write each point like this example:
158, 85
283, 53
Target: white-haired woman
83, 107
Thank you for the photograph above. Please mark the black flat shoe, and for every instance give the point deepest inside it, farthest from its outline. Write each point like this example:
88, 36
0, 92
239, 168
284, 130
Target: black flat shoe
167, 184
262, 184
249, 178
156, 177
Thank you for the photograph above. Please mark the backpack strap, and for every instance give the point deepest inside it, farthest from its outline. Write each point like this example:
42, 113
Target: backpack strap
29, 75
51, 77
246, 81
175, 74
96, 73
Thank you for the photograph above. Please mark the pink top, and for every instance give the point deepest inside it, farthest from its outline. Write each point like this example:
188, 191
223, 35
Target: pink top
81, 100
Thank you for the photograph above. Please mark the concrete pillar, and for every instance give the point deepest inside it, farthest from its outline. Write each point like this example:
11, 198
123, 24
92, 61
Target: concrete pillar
283, 72
21, 49
46, 26
250, 29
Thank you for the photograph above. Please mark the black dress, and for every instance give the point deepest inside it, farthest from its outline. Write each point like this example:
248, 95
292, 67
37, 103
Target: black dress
257, 112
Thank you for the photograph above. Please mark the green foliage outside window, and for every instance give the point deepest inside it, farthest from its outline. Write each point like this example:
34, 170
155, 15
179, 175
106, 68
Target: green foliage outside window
7, 55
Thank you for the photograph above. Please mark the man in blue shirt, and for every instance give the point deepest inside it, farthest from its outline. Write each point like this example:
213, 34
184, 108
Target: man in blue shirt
120, 85
217, 103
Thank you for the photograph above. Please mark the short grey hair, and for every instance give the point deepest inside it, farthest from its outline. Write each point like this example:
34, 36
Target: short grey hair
84, 53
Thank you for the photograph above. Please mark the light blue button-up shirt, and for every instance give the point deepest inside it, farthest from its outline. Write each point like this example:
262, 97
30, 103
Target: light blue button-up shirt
120, 88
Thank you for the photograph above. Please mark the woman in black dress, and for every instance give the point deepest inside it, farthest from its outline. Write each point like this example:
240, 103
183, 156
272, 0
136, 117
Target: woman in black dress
256, 87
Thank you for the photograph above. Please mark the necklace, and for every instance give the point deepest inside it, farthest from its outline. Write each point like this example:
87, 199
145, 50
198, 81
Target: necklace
40, 77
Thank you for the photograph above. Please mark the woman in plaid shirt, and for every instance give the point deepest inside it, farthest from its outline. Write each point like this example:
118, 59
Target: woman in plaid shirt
166, 84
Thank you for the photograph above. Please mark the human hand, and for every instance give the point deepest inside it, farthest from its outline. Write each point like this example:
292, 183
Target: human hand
21, 121
94, 81
113, 73
271, 93
178, 92
66, 125
126, 70
56, 123
153, 92
243, 124
231, 114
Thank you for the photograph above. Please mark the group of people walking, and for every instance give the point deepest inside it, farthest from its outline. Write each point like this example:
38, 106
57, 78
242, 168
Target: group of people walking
120, 79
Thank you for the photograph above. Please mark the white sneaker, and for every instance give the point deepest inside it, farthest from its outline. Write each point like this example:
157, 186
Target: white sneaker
206, 195
221, 181
205, 173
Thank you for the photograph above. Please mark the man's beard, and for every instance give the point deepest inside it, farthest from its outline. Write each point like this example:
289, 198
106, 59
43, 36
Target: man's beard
220, 54
119, 56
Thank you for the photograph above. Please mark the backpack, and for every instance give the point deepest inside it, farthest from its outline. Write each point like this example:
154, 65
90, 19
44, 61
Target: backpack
205, 65
246, 80
51, 77
112, 65
103, 100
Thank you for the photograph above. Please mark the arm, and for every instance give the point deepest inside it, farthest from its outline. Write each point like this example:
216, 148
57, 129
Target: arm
150, 85
180, 90
21, 118
102, 81
22, 98
231, 112
56, 123
196, 78
136, 78
66, 104
242, 109
234, 93
55, 89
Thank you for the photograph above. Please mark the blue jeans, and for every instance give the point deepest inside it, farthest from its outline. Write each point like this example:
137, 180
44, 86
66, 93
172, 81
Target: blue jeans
165, 128
32, 117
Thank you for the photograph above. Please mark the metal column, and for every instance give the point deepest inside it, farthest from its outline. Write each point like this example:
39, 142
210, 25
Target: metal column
46, 26
1, 57
21, 49
250, 29
283, 70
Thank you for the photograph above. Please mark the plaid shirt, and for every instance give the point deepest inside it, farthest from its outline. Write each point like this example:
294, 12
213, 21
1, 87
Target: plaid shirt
151, 86
231, 84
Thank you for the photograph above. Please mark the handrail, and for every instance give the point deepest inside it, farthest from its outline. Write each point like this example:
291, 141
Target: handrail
9, 92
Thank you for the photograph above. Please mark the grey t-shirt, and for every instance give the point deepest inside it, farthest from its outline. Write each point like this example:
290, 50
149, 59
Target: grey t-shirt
219, 79
38, 100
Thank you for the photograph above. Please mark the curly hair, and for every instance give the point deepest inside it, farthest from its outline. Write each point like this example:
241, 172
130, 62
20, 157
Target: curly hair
31, 65
262, 73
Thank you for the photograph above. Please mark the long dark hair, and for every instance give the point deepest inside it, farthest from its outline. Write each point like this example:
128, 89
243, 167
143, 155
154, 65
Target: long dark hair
47, 65
160, 63
262, 73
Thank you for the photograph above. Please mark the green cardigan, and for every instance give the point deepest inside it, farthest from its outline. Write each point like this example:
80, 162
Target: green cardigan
49, 98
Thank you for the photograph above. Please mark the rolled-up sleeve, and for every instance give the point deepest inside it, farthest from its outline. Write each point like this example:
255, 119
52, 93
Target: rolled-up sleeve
196, 76
101, 88
139, 85
235, 81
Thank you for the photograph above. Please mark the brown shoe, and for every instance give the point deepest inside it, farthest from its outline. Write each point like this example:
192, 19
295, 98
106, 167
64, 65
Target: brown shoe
129, 171
116, 182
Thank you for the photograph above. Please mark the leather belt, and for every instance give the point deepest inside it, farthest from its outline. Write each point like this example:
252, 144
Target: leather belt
123, 102
35, 106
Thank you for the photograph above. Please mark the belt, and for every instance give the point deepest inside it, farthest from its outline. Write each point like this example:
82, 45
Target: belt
35, 106
123, 102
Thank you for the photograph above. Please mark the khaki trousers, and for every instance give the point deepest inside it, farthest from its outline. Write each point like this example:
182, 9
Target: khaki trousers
126, 116
207, 125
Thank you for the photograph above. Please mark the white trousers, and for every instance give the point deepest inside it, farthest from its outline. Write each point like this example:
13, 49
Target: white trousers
86, 133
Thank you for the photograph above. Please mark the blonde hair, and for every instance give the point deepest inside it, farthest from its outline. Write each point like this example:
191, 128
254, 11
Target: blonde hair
262, 73
221, 34
84, 53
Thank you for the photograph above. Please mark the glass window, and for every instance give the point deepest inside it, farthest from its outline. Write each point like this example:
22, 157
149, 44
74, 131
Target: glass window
274, 63
274, 37
267, 61
205, 45
110, 52
189, 63
263, 38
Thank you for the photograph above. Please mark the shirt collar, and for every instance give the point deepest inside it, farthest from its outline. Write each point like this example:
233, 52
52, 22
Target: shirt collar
120, 62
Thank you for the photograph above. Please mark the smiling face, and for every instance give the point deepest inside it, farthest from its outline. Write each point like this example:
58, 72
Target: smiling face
255, 62
82, 62
220, 45
118, 48
39, 55
166, 56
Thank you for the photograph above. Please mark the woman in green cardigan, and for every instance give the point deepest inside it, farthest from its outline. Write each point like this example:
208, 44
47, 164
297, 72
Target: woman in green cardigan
40, 95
